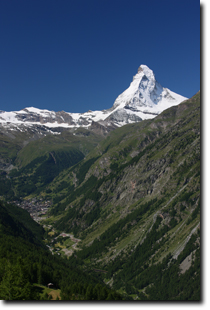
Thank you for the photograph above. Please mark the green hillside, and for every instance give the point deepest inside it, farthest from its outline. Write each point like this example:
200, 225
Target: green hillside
131, 200
137, 195
30, 163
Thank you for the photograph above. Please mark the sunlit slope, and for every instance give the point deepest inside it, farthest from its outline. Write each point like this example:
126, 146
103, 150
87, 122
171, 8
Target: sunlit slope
139, 173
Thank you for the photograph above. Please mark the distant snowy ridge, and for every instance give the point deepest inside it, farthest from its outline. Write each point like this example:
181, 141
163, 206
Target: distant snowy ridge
143, 99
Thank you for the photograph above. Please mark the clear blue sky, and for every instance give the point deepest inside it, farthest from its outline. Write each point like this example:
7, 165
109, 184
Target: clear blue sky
76, 55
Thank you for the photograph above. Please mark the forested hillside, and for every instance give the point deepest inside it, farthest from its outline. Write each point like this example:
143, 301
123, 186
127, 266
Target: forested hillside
135, 203
130, 202
26, 265
31, 159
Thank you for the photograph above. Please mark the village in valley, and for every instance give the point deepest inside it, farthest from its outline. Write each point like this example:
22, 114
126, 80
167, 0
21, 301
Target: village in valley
58, 243
35, 206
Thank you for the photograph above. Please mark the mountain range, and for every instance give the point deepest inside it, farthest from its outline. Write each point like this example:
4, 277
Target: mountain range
123, 187
144, 99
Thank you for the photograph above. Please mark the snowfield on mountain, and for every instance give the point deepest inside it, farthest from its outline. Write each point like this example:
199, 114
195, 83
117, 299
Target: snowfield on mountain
144, 99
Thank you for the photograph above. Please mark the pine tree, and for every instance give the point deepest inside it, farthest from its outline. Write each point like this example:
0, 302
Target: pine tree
15, 284
89, 293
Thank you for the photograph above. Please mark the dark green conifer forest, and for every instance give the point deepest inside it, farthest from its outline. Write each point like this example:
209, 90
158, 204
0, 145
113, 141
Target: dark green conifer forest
25, 263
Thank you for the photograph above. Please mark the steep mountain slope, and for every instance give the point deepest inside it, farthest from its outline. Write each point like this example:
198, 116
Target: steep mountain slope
143, 149
135, 202
31, 158
144, 99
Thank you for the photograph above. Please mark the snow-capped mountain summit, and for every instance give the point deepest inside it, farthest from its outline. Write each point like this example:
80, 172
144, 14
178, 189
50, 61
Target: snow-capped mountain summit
143, 99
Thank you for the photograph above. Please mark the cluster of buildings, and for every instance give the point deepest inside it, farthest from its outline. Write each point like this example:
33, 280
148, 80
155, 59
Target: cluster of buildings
38, 208
35, 206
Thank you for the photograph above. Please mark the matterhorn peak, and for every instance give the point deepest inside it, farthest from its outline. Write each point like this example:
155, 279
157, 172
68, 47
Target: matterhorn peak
143, 99
145, 96
140, 69
145, 70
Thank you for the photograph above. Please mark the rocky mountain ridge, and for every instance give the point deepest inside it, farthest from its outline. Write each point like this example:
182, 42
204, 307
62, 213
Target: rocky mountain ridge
145, 98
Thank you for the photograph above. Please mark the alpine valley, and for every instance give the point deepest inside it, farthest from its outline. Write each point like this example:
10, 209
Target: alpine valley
114, 199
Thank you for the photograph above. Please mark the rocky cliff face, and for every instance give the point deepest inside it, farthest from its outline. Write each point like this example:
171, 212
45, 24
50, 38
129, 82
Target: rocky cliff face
138, 163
